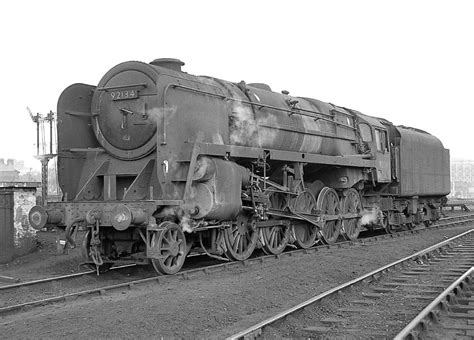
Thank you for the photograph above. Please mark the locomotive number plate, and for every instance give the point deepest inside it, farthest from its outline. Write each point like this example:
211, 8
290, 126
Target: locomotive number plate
124, 94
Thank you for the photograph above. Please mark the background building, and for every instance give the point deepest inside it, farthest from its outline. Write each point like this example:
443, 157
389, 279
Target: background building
462, 178
10, 170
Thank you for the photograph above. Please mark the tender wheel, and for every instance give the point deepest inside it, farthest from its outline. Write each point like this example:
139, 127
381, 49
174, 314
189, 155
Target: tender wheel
328, 204
304, 233
390, 229
410, 226
170, 245
351, 203
241, 238
426, 218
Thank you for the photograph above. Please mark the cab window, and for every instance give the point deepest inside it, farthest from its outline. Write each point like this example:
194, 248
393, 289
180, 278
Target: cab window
381, 140
365, 132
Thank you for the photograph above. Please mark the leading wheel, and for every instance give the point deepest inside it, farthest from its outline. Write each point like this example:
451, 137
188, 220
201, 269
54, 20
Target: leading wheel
351, 204
169, 246
304, 233
241, 238
328, 204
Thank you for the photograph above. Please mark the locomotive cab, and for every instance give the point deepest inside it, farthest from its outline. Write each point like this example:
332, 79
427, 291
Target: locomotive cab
375, 134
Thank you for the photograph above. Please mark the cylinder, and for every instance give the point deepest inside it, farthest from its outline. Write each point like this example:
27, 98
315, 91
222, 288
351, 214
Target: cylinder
216, 193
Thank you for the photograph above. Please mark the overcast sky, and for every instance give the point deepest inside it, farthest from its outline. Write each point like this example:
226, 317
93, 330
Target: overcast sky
411, 62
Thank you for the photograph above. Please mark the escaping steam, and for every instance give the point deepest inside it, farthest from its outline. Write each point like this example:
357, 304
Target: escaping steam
161, 115
243, 126
371, 216
248, 131
176, 214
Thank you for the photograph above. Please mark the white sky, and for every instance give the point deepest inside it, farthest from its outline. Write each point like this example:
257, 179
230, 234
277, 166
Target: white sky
411, 62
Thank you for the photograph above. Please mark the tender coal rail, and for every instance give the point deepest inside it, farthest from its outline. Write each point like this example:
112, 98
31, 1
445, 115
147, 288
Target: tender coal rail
378, 304
449, 316
57, 289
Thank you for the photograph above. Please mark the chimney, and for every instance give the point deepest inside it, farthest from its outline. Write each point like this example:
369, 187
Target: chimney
169, 63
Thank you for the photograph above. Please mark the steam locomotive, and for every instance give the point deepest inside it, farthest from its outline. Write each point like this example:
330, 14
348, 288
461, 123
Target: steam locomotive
156, 163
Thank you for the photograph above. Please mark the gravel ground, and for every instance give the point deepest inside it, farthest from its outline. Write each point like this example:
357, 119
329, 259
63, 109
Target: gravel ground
212, 306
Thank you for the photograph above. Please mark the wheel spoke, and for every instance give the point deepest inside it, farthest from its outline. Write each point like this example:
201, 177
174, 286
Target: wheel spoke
272, 237
241, 245
233, 236
167, 239
244, 240
278, 237
168, 260
174, 261
235, 242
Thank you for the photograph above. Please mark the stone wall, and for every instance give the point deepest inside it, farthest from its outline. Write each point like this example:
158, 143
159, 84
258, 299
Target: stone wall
17, 236
24, 237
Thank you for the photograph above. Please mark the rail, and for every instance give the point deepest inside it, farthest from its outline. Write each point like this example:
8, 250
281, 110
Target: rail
256, 330
214, 268
409, 332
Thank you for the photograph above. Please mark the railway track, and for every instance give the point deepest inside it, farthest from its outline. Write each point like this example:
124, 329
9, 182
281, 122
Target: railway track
449, 316
58, 278
377, 304
59, 289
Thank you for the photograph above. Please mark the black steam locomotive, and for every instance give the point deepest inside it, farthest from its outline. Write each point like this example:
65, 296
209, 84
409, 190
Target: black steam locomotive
157, 163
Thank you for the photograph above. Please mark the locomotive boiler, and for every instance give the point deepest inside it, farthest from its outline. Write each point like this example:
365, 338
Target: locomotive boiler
156, 163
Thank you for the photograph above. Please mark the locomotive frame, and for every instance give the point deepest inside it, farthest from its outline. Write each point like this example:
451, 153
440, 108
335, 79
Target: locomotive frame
151, 187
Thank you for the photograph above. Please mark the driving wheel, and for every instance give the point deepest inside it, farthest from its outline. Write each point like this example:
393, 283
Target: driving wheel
328, 204
241, 238
351, 203
275, 238
304, 232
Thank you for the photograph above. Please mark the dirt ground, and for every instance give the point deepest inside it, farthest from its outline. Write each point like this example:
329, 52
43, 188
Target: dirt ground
46, 261
212, 306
